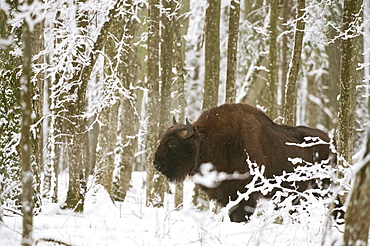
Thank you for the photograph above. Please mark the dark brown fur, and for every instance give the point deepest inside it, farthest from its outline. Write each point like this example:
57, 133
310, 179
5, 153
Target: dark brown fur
226, 136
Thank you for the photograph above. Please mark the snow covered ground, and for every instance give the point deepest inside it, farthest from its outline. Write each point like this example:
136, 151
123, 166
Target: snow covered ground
132, 223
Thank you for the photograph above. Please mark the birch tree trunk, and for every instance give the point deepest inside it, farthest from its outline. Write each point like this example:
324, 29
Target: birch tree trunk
291, 84
348, 65
232, 51
25, 142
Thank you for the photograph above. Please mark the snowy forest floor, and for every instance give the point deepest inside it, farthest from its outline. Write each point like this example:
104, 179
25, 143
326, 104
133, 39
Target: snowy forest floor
132, 223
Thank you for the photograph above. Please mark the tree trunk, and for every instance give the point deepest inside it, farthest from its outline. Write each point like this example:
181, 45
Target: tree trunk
127, 107
291, 84
211, 76
180, 25
106, 149
4, 136
77, 127
284, 51
77, 121
358, 212
127, 156
53, 126
166, 65
331, 79
348, 81
54, 146
153, 198
212, 54
48, 167
166, 71
105, 154
272, 67
25, 143
232, 51
37, 108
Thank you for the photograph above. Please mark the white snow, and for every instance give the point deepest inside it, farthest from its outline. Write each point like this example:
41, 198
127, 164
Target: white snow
132, 223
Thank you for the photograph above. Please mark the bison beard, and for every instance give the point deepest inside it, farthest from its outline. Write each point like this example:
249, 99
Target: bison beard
229, 135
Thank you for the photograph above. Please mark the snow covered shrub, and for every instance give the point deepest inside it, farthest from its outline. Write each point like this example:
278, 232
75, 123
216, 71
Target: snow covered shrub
280, 200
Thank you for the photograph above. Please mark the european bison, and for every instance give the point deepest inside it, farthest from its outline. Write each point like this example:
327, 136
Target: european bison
227, 136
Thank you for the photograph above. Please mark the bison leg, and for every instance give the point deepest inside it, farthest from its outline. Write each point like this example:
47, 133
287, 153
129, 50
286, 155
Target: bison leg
338, 211
243, 210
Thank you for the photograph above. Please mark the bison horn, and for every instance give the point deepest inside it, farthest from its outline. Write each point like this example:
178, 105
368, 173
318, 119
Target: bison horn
174, 120
189, 127
188, 132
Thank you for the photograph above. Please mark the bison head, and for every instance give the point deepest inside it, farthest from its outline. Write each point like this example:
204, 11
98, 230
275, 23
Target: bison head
178, 152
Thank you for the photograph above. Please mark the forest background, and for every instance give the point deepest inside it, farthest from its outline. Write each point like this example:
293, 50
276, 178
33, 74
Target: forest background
88, 87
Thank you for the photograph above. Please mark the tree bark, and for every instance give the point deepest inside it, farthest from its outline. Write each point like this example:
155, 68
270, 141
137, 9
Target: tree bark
105, 155
180, 25
166, 65
127, 156
284, 51
3, 34
212, 54
291, 84
153, 198
55, 125
76, 126
125, 167
37, 108
232, 51
358, 212
167, 47
25, 143
272, 67
348, 80
211, 76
